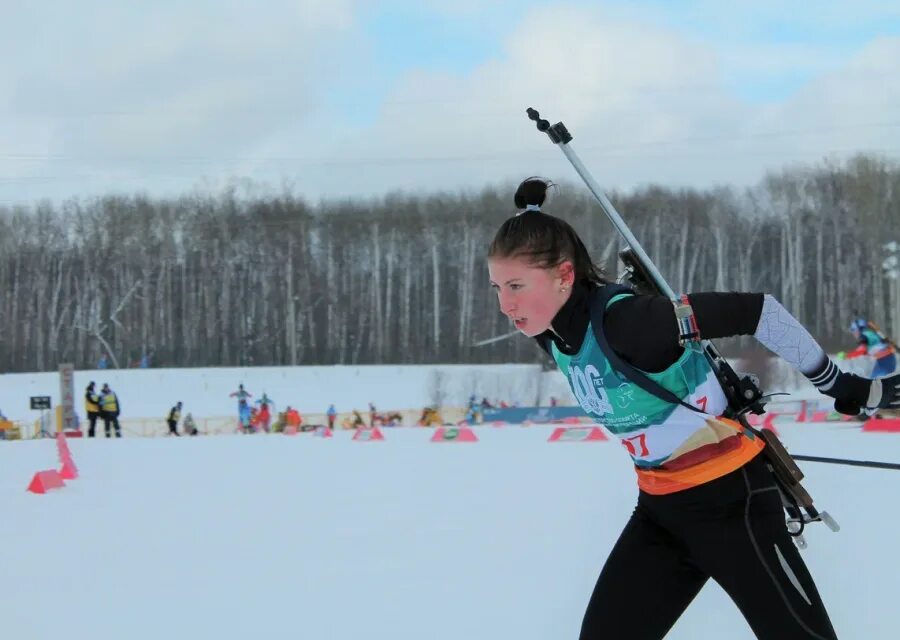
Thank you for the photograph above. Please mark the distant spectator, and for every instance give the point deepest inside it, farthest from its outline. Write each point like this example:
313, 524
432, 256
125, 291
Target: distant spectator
264, 416
6, 428
244, 417
430, 416
358, 420
91, 407
190, 427
103, 363
292, 417
109, 410
332, 416
240, 394
174, 417
254, 419
553, 401
473, 411
145, 361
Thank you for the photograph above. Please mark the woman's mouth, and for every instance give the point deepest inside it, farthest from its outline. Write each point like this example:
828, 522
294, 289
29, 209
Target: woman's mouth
520, 323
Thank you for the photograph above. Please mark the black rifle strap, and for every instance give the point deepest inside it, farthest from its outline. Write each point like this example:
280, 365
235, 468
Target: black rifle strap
598, 311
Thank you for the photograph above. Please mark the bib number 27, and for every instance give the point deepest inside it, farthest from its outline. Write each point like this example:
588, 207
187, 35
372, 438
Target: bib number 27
635, 442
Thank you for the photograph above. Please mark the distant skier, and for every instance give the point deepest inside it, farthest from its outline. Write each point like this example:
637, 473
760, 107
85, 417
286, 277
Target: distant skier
872, 342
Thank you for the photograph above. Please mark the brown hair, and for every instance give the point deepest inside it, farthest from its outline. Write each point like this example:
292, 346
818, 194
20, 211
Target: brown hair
543, 240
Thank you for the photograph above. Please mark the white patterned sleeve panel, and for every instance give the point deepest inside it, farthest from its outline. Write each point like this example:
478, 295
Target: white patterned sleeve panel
782, 333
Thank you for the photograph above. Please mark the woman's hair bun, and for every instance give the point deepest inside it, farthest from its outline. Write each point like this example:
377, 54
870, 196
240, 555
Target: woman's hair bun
532, 191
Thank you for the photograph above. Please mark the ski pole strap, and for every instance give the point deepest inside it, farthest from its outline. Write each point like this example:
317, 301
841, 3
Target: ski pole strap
598, 311
688, 331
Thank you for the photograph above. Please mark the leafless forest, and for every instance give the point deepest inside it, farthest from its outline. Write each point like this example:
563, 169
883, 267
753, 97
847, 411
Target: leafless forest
228, 280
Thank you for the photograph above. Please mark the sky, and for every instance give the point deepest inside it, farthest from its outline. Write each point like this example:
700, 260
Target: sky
273, 536
332, 99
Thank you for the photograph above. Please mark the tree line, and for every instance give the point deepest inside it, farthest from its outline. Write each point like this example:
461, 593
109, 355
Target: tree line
225, 280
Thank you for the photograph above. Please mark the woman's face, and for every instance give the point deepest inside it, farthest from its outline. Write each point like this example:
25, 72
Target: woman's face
530, 296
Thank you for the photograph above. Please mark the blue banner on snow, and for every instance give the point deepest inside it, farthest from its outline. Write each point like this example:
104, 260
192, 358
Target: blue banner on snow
532, 414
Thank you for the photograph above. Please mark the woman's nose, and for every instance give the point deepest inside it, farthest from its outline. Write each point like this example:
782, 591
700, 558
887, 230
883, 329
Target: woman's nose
507, 303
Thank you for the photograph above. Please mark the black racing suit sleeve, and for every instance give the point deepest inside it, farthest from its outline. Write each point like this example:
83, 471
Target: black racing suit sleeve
642, 329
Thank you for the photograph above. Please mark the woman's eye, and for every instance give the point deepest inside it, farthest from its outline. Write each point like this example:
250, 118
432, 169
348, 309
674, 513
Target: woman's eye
515, 287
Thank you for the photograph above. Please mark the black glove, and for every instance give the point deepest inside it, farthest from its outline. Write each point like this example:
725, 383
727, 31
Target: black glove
885, 393
853, 393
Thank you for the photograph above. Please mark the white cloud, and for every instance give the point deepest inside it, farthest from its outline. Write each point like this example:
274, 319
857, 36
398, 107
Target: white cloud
739, 18
165, 99
164, 90
618, 85
853, 107
646, 104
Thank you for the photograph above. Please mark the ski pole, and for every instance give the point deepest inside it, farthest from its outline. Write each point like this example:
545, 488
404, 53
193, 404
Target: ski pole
481, 343
870, 464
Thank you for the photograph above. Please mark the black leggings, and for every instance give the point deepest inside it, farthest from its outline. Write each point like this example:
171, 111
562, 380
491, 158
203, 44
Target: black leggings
731, 530
112, 419
92, 422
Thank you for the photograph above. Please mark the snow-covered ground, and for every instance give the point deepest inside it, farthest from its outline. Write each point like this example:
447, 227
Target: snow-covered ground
271, 536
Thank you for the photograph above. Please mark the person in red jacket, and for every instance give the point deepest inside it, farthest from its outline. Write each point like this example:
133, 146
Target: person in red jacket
292, 417
264, 417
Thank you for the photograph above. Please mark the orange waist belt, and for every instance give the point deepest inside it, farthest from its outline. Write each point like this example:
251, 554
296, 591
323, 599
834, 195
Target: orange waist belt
707, 463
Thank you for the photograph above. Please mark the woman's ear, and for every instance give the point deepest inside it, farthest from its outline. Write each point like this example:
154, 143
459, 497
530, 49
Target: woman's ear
566, 273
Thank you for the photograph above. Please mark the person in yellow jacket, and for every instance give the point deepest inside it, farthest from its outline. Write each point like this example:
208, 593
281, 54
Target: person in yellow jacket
109, 410
92, 407
173, 418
